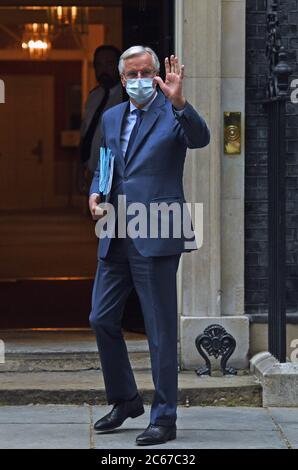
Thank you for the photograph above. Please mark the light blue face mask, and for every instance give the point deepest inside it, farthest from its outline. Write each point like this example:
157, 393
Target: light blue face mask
140, 89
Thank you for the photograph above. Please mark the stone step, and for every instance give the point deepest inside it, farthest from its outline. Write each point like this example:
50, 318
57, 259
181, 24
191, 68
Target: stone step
64, 367
63, 350
21, 388
55, 362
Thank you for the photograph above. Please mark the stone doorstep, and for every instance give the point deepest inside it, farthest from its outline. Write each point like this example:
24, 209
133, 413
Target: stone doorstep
65, 361
279, 380
62, 340
37, 351
18, 388
64, 367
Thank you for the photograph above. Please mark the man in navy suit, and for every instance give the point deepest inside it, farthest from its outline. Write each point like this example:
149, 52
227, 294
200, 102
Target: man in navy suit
149, 136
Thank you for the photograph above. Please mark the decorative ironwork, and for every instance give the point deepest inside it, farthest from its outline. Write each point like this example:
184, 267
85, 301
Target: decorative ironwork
279, 71
273, 45
215, 341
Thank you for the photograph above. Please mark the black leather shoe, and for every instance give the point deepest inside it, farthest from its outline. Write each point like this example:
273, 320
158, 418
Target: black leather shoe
119, 413
156, 434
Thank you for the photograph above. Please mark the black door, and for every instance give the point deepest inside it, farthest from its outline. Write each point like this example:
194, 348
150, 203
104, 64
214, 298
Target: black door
149, 23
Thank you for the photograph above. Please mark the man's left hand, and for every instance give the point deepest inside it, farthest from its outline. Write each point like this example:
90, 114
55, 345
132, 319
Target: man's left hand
172, 86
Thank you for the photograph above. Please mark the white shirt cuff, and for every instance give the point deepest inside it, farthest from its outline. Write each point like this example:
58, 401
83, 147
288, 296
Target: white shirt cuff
179, 111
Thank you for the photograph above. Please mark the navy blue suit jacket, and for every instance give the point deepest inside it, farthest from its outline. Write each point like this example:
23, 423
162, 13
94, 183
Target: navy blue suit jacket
154, 169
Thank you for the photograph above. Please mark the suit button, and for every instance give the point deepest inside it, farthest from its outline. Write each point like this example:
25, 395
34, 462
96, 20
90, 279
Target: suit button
125, 178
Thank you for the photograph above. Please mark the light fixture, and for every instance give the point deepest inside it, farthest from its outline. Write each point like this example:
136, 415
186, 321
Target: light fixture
37, 37
36, 40
74, 18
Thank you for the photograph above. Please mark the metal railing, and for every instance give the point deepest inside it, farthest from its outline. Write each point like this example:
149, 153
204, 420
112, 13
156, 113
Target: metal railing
275, 105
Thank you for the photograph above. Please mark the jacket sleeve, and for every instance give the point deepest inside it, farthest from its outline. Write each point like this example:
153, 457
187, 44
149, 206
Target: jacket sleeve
94, 187
194, 129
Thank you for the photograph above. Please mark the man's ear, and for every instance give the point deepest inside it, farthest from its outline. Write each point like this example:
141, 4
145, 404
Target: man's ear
123, 80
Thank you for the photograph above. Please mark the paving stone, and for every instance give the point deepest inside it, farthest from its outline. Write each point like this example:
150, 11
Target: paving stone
290, 431
44, 414
71, 427
204, 418
44, 436
194, 439
285, 415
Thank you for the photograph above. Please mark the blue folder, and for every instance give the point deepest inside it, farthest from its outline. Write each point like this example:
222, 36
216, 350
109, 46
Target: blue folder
106, 169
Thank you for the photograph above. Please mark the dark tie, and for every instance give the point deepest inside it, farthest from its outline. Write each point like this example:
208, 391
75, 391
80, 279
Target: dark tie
134, 132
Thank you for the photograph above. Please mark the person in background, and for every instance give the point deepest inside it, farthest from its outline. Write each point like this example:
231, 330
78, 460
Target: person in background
106, 94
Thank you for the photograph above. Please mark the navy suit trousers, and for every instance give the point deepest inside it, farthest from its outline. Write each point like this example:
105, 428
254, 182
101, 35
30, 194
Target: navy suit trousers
154, 279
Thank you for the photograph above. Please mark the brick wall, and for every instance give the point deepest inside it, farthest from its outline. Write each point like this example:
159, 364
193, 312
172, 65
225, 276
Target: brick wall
256, 258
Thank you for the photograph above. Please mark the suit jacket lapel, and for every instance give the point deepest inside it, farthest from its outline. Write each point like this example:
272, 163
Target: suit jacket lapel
148, 122
118, 128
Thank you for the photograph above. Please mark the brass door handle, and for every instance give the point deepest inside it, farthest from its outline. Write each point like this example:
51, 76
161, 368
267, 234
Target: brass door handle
38, 151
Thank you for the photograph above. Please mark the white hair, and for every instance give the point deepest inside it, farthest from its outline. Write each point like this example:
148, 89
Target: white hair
138, 50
